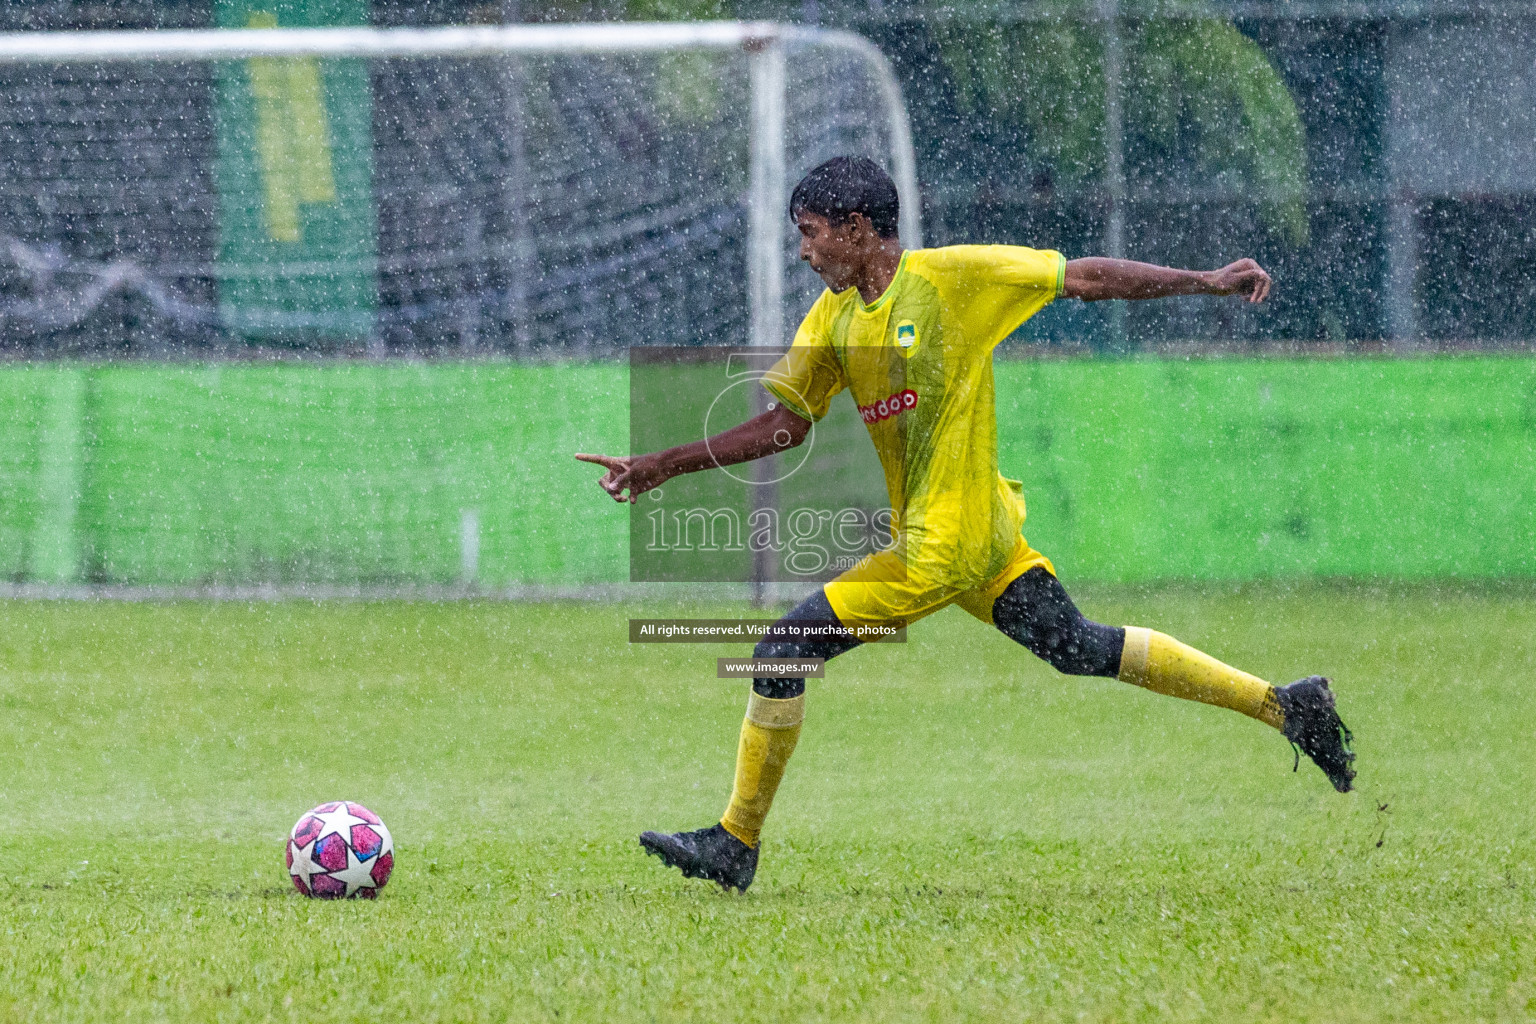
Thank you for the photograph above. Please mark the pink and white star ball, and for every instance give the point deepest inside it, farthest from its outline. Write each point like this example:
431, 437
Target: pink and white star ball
340, 850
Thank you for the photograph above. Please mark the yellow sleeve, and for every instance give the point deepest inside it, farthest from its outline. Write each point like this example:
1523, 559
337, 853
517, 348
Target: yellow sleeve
809, 374
1001, 286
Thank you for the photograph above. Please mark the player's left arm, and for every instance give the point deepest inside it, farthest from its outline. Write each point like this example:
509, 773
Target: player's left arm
1097, 277
628, 477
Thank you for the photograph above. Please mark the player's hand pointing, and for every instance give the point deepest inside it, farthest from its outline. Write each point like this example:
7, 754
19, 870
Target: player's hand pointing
635, 473
1245, 278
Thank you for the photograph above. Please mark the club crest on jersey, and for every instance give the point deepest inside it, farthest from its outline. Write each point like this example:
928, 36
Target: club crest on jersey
884, 409
906, 337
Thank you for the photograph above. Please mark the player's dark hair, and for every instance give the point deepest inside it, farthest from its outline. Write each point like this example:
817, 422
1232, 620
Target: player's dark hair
846, 185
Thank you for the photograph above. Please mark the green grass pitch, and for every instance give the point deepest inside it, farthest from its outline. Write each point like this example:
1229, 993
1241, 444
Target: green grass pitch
963, 834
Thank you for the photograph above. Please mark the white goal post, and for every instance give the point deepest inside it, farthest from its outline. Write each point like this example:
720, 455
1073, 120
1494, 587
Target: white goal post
764, 42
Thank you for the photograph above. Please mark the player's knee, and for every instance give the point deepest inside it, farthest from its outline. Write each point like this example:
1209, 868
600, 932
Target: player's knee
785, 640
1066, 654
1086, 648
777, 689
775, 649
1037, 612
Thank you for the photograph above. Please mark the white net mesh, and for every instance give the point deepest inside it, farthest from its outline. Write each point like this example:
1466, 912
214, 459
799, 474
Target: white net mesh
444, 205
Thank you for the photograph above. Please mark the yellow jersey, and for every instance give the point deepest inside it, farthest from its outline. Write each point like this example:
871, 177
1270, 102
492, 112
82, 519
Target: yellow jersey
918, 363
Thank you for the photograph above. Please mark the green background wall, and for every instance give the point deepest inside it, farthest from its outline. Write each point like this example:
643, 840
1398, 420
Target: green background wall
1239, 469
362, 472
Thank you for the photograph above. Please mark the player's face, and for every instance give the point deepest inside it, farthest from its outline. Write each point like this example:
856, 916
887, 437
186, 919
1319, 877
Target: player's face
834, 252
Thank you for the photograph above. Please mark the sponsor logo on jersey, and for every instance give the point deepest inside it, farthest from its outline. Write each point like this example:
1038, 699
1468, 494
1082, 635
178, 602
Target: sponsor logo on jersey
906, 337
884, 409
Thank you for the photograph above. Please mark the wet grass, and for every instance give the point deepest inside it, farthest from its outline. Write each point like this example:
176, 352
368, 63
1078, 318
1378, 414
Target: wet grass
963, 834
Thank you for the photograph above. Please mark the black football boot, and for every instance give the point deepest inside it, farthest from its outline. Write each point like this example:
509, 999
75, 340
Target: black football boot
1315, 729
711, 853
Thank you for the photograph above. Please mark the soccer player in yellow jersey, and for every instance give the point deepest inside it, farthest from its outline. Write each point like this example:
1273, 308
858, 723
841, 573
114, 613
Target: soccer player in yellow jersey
910, 335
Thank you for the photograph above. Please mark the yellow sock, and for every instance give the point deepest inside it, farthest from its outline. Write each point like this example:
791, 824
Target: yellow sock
1162, 664
768, 737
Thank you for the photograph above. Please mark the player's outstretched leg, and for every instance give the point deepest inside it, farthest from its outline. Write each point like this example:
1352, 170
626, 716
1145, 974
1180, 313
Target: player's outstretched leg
726, 853
1303, 711
1036, 611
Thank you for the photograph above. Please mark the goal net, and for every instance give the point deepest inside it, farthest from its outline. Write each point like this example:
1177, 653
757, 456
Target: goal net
471, 225
539, 189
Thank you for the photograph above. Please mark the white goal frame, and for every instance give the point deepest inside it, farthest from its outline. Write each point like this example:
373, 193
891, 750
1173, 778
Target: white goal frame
763, 42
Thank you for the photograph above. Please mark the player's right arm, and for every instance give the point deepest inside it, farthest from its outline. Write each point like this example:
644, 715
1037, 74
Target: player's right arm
774, 431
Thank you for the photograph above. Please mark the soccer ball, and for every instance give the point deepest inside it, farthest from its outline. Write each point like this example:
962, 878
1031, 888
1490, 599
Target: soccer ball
338, 850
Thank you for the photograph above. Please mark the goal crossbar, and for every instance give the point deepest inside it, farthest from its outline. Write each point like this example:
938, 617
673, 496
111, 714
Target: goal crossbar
465, 40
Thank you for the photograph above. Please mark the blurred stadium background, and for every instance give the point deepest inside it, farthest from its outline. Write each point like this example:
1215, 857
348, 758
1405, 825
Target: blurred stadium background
339, 324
